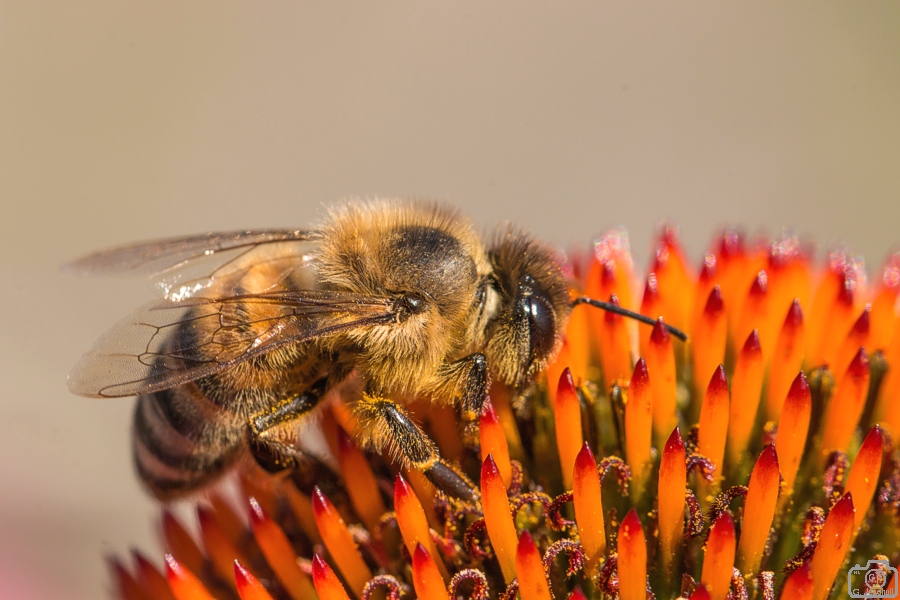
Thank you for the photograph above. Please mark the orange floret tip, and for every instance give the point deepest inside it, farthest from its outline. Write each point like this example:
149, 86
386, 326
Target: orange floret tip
714, 302
661, 369
672, 487
675, 279
412, 521
248, 586
884, 312
863, 478
856, 339
221, 550
493, 441
799, 585
576, 594
650, 306
747, 383
759, 510
532, 580
713, 425
834, 542
589, 506
127, 586
700, 593
718, 559
279, 552
615, 345
183, 583
638, 425
339, 541
427, 579
793, 428
181, 544
846, 407
754, 312
632, 547
567, 421
151, 579
328, 586
710, 336
498, 518
786, 359
359, 481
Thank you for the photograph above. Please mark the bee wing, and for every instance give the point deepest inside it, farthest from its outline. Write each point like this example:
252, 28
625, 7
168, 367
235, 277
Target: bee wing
165, 344
183, 267
156, 256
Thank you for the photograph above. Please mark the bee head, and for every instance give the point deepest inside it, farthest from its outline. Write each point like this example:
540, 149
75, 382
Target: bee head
534, 307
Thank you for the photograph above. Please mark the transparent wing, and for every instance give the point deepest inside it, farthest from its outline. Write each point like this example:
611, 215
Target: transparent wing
165, 344
155, 256
183, 267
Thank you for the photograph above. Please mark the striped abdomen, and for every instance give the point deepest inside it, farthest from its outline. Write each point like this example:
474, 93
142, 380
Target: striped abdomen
182, 440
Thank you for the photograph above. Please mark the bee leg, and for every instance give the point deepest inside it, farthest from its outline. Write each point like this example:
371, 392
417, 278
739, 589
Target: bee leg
382, 423
468, 380
267, 430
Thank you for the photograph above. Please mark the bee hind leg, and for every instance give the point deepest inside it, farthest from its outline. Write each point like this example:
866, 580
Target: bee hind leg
267, 431
382, 423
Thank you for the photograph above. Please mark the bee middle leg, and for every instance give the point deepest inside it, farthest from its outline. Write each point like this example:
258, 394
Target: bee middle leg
265, 431
382, 423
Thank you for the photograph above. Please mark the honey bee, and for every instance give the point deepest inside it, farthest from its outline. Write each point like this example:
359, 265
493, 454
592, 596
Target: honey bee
384, 302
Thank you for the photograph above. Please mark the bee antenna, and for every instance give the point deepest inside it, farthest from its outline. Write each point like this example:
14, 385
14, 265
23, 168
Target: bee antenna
615, 308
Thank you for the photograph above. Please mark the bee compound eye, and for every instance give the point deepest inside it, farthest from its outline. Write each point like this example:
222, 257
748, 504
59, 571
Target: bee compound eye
541, 327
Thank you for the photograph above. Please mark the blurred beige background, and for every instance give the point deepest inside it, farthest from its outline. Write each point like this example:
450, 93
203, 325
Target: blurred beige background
122, 121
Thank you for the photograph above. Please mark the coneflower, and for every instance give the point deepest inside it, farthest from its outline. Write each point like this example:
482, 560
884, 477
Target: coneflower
754, 461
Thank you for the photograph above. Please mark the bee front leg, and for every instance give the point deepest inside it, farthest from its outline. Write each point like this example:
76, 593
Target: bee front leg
468, 381
267, 430
382, 423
